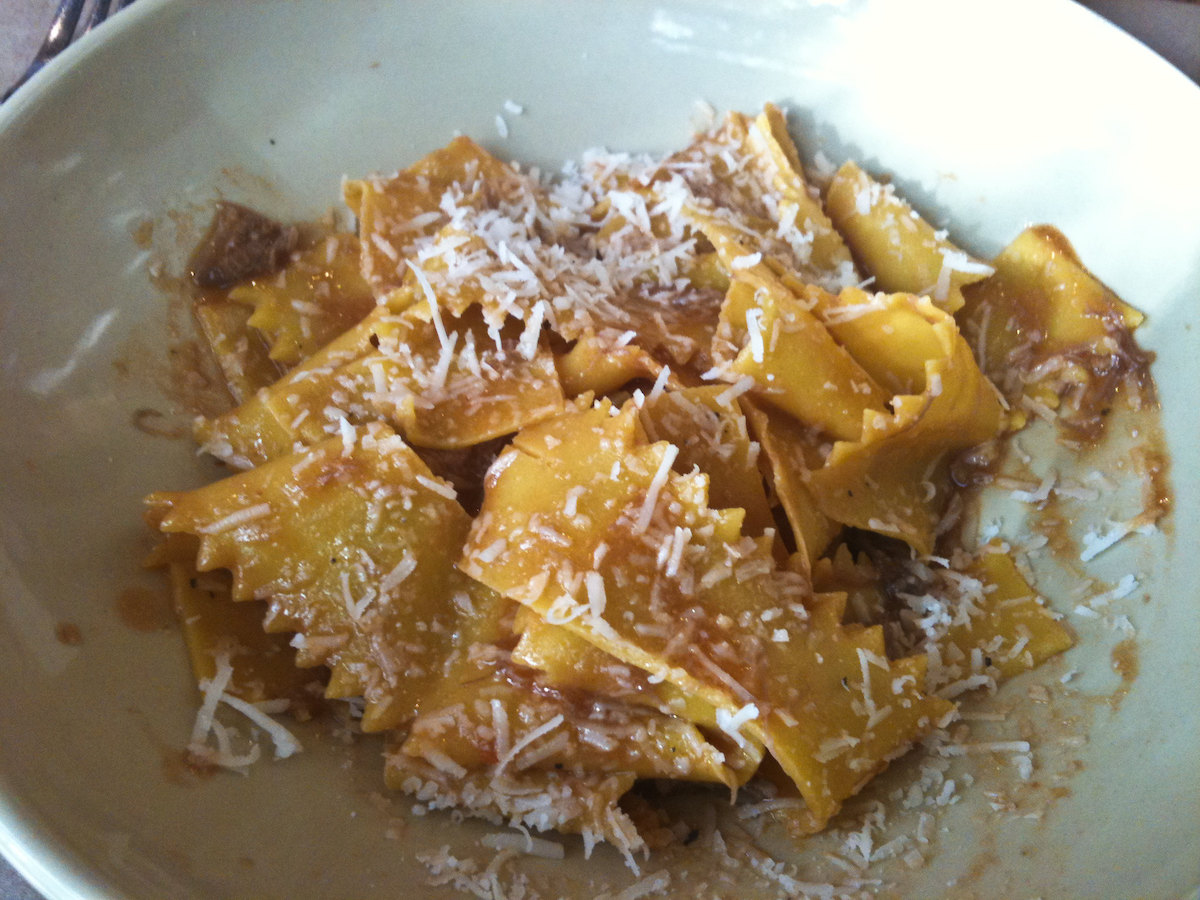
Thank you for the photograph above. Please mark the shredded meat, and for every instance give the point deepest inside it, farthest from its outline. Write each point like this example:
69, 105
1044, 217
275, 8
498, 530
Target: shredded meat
240, 244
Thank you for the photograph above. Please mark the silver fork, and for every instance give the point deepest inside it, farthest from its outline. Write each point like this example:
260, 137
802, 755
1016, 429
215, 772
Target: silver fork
65, 28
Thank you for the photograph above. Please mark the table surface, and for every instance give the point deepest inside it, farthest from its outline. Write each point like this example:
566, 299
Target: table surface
1171, 27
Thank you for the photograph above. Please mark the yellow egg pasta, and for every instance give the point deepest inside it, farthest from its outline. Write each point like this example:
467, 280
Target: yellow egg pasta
442, 383
216, 627
352, 543
711, 433
240, 351
894, 480
644, 569
792, 361
900, 249
644, 471
317, 296
1045, 329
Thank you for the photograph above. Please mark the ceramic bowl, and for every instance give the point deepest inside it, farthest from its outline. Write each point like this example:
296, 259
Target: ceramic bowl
988, 115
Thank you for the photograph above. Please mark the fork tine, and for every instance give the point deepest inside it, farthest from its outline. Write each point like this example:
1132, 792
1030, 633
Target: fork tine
62, 30
101, 10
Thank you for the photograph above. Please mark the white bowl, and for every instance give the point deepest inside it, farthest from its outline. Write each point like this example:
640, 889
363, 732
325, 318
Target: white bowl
991, 115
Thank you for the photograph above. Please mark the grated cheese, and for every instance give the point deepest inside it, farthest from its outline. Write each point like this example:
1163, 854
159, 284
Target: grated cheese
525, 843
1095, 543
754, 328
735, 390
656, 485
236, 519
596, 596
731, 723
438, 486
284, 741
542, 730
405, 567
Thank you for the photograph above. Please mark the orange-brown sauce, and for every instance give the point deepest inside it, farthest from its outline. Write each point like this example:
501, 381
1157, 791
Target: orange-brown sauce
1125, 664
145, 610
68, 633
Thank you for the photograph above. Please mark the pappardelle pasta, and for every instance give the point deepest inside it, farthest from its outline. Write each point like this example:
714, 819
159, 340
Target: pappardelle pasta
652, 470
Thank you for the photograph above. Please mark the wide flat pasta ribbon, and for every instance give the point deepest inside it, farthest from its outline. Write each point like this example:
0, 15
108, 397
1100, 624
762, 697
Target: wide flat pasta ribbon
708, 427
442, 382
568, 662
395, 212
240, 351
599, 364
477, 714
899, 249
315, 298
497, 737
352, 543
1045, 329
894, 480
1008, 631
637, 564
747, 176
981, 625
770, 337
215, 627
792, 452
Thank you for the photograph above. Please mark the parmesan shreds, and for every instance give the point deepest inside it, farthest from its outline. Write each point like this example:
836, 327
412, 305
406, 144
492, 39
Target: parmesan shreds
660, 383
679, 541
206, 723
237, 519
285, 743
571, 504
1041, 494
735, 390
1126, 586
500, 728
446, 358
385, 247
443, 763
731, 723
646, 513
964, 749
525, 843
765, 807
754, 329
491, 552
647, 886
405, 567
213, 689
527, 346
542, 730
438, 487
348, 435
596, 596
431, 299
1096, 543
864, 661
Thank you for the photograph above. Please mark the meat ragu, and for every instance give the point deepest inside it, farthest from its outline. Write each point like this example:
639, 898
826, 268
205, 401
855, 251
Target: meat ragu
625, 478
240, 244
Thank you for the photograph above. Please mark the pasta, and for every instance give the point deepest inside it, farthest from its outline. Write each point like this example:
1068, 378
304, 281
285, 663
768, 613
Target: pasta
572, 483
